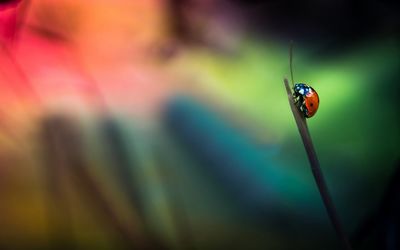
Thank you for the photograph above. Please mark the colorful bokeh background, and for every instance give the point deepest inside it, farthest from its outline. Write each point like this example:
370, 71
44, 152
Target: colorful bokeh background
165, 124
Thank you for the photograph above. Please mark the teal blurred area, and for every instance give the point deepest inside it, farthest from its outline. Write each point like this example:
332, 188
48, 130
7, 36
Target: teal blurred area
172, 129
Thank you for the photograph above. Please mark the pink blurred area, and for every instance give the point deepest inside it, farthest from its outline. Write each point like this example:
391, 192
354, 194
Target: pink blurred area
82, 56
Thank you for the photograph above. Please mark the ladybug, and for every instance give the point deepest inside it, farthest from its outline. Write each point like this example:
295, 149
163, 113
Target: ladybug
306, 98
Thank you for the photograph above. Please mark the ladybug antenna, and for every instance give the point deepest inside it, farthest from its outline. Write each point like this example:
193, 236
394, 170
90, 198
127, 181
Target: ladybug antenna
291, 61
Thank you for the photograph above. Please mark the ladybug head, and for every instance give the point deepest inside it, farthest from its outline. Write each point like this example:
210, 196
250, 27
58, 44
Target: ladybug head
301, 89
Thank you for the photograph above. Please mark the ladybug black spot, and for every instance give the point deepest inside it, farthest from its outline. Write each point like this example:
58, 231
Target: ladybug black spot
311, 104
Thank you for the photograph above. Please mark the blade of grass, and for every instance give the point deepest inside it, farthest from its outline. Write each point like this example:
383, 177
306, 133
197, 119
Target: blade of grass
291, 62
316, 169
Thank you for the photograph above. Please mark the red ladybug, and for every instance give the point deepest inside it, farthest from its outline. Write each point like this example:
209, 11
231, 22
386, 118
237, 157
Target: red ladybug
306, 99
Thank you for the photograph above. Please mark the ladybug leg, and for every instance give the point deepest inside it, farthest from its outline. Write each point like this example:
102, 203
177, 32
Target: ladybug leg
296, 99
305, 111
303, 108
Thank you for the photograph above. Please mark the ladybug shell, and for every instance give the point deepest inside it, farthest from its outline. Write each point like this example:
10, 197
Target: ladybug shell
311, 102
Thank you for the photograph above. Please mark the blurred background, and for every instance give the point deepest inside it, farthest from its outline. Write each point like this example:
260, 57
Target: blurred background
164, 124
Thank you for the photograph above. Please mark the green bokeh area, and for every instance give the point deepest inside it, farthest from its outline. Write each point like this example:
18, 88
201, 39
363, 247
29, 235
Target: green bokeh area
356, 129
